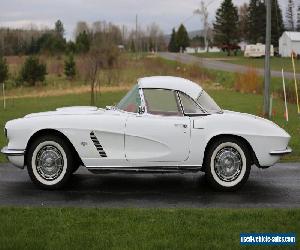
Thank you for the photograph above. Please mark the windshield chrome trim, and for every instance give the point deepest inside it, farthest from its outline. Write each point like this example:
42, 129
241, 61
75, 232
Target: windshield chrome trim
192, 114
209, 111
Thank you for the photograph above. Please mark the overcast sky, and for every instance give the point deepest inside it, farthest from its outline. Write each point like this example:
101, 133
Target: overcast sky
166, 13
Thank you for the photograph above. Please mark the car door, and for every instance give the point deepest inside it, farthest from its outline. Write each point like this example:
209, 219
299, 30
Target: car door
161, 134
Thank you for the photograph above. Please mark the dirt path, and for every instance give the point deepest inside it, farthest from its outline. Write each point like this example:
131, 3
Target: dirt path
212, 63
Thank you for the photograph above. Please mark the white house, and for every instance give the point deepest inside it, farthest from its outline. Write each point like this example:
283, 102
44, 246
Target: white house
289, 42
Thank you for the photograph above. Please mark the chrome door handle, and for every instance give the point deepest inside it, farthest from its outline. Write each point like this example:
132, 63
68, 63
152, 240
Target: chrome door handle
181, 125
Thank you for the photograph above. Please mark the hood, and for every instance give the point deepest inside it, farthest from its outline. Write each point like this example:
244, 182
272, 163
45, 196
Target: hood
256, 122
76, 110
241, 123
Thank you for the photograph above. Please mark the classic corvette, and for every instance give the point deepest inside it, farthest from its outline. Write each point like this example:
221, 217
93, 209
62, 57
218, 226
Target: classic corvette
163, 125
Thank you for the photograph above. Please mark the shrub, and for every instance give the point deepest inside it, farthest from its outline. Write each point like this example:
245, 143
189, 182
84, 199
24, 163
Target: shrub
3, 70
248, 82
70, 67
33, 71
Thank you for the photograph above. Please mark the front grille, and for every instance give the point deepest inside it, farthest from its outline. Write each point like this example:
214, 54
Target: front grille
97, 144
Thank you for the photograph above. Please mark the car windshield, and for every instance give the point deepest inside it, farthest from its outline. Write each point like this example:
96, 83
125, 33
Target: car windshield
131, 101
208, 103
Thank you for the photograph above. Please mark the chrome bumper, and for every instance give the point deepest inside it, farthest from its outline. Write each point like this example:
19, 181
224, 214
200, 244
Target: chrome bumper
15, 156
12, 152
288, 150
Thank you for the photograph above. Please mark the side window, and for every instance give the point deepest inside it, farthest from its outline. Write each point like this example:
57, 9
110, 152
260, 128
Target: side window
162, 102
131, 101
189, 105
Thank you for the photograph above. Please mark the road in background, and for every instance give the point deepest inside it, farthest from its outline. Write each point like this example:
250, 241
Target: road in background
278, 186
211, 63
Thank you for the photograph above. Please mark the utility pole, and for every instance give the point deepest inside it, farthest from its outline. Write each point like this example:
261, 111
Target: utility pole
267, 60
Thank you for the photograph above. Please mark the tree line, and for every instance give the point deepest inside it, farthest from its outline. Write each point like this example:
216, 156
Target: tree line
248, 22
244, 23
52, 41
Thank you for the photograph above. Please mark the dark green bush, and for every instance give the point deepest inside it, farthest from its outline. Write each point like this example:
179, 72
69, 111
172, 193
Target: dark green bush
3, 70
70, 67
33, 71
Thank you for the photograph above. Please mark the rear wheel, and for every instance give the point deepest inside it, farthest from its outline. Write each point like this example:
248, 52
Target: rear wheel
50, 162
228, 164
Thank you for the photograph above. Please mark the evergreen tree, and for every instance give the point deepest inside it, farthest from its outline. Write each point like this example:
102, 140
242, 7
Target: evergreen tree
226, 24
182, 38
59, 28
33, 71
290, 15
257, 22
298, 19
3, 70
277, 25
82, 42
70, 67
172, 47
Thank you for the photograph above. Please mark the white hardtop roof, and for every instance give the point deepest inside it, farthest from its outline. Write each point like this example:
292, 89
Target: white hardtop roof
170, 82
294, 36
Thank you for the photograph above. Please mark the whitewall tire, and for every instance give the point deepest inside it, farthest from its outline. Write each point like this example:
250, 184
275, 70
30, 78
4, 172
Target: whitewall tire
50, 162
227, 164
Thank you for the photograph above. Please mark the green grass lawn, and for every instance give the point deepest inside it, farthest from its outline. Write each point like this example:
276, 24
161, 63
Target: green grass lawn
227, 99
72, 228
277, 63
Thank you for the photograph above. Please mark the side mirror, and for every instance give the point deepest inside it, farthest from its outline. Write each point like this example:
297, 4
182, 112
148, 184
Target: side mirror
141, 110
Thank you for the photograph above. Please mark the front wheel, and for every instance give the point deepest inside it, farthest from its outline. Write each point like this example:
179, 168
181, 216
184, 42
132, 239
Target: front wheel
49, 162
228, 164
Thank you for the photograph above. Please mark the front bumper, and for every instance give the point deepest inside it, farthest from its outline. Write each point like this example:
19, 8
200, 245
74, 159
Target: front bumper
12, 152
15, 156
288, 150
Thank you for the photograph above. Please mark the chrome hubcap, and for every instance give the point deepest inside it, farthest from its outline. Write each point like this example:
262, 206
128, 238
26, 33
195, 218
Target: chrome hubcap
228, 164
49, 162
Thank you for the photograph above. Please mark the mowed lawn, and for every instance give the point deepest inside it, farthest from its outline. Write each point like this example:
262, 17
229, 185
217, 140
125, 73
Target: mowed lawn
76, 228
277, 63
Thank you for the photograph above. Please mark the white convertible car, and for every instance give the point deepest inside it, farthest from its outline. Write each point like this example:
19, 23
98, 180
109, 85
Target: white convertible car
163, 125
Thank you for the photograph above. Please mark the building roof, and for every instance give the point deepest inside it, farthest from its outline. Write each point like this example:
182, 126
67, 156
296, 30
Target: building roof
170, 82
294, 36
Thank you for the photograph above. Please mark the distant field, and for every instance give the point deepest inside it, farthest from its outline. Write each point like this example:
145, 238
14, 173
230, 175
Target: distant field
277, 63
73, 228
227, 99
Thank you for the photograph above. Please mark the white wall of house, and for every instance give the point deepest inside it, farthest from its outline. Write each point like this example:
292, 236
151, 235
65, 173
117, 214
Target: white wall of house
289, 42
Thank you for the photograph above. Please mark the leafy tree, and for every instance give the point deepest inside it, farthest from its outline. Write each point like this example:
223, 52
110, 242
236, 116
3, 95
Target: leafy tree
290, 15
70, 67
82, 42
3, 70
51, 43
33, 71
243, 21
226, 24
132, 46
59, 29
172, 47
182, 38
